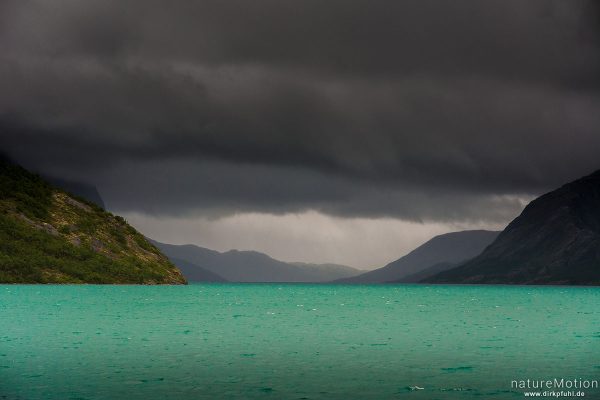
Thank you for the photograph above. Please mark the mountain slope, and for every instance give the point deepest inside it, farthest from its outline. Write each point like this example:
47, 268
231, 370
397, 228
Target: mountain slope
49, 236
555, 240
252, 266
450, 248
425, 273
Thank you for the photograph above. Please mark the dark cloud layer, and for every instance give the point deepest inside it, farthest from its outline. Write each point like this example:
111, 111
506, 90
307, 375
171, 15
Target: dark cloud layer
424, 110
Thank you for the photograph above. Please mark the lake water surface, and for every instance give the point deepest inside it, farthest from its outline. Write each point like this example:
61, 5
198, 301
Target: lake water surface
278, 341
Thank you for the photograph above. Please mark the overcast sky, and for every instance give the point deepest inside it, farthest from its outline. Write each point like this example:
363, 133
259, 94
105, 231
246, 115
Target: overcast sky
344, 131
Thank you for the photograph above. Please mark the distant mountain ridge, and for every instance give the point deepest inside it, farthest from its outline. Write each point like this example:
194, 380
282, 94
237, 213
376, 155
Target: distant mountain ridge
328, 271
555, 240
443, 251
249, 266
194, 273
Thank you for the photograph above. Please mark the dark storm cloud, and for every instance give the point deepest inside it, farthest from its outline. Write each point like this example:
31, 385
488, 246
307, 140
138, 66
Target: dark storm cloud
219, 188
417, 109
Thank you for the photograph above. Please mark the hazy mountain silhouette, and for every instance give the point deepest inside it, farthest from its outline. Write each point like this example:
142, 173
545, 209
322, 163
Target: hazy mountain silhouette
327, 272
555, 240
251, 266
194, 273
426, 273
442, 251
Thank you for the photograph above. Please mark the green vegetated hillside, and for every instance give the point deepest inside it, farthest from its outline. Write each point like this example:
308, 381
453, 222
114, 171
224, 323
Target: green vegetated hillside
50, 236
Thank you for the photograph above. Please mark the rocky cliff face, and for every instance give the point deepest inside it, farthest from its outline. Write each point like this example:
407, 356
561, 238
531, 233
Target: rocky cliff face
555, 240
50, 236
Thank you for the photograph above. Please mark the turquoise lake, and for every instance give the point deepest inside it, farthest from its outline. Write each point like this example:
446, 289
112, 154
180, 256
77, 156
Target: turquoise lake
293, 341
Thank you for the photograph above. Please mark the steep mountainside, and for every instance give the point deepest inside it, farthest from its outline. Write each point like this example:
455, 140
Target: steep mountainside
252, 266
555, 240
49, 236
443, 250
